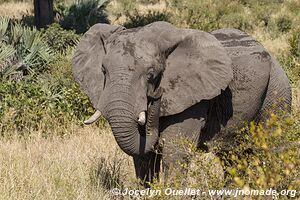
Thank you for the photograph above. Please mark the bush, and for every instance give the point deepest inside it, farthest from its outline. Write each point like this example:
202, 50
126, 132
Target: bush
46, 101
192, 14
291, 60
209, 15
291, 66
284, 24
137, 18
60, 40
273, 161
265, 156
84, 14
294, 42
47, 96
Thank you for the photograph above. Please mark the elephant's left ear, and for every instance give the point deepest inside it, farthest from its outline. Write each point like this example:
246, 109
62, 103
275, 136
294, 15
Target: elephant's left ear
197, 68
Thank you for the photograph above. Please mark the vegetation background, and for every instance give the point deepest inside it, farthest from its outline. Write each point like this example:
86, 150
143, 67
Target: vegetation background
47, 153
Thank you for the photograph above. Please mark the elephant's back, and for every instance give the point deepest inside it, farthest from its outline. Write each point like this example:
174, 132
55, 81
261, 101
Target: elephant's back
236, 42
251, 65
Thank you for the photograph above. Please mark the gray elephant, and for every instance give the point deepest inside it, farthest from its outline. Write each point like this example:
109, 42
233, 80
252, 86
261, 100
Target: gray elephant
157, 83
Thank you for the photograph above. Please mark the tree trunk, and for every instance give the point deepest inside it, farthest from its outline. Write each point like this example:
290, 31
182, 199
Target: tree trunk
43, 13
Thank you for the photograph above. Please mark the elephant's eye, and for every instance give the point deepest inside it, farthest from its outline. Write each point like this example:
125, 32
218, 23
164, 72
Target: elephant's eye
150, 74
104, 72
150, 77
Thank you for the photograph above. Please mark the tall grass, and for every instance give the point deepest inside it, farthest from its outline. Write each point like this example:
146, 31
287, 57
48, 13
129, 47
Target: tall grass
71, 167
16, 9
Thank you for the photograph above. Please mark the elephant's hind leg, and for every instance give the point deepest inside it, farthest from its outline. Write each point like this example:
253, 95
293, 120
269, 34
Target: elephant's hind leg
278, 96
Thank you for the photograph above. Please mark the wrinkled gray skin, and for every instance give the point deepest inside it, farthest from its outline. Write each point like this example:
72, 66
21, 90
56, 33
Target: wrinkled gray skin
193, 85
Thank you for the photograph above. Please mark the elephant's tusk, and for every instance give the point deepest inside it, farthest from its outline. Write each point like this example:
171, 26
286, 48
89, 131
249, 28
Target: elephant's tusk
142, 118
93, 118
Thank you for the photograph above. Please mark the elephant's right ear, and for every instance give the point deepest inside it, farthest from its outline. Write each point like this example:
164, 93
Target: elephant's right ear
87, 60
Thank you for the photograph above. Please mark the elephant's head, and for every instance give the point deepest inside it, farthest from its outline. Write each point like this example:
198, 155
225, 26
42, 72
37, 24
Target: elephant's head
125, 73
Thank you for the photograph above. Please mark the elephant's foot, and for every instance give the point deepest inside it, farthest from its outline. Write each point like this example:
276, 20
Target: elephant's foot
175, 169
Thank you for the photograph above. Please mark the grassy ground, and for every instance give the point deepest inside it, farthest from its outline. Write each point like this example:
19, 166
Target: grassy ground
66, 167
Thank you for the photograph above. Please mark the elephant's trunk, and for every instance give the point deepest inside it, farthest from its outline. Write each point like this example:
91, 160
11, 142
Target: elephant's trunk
133, 139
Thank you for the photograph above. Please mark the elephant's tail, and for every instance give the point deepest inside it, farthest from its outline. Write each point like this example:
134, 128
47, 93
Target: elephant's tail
278, 97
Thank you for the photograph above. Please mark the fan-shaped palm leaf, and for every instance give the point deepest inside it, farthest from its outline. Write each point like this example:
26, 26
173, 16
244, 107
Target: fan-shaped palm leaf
16, 33
6, 52
28, 37
3, 27
24, 49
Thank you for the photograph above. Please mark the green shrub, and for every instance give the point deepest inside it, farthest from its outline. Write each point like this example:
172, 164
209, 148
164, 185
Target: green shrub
273, 161
137, 19
192, 14
84, 14
291, 66
265, 156
47, 96
49, 101
244, 15
291, 60
294, 42
284, 24
23, 104
209, 15
60, 40
27, 20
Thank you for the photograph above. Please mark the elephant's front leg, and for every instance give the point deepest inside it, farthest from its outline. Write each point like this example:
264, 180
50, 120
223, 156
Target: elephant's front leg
147, 168
180, 135
176, 156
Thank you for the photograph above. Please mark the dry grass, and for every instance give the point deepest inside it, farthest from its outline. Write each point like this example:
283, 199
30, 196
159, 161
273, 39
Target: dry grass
161, 6
296, 100
16, 9
56, 167
274, 45
140, 8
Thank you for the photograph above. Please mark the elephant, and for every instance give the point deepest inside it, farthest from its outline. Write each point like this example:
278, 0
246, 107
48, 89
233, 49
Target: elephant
156, 83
